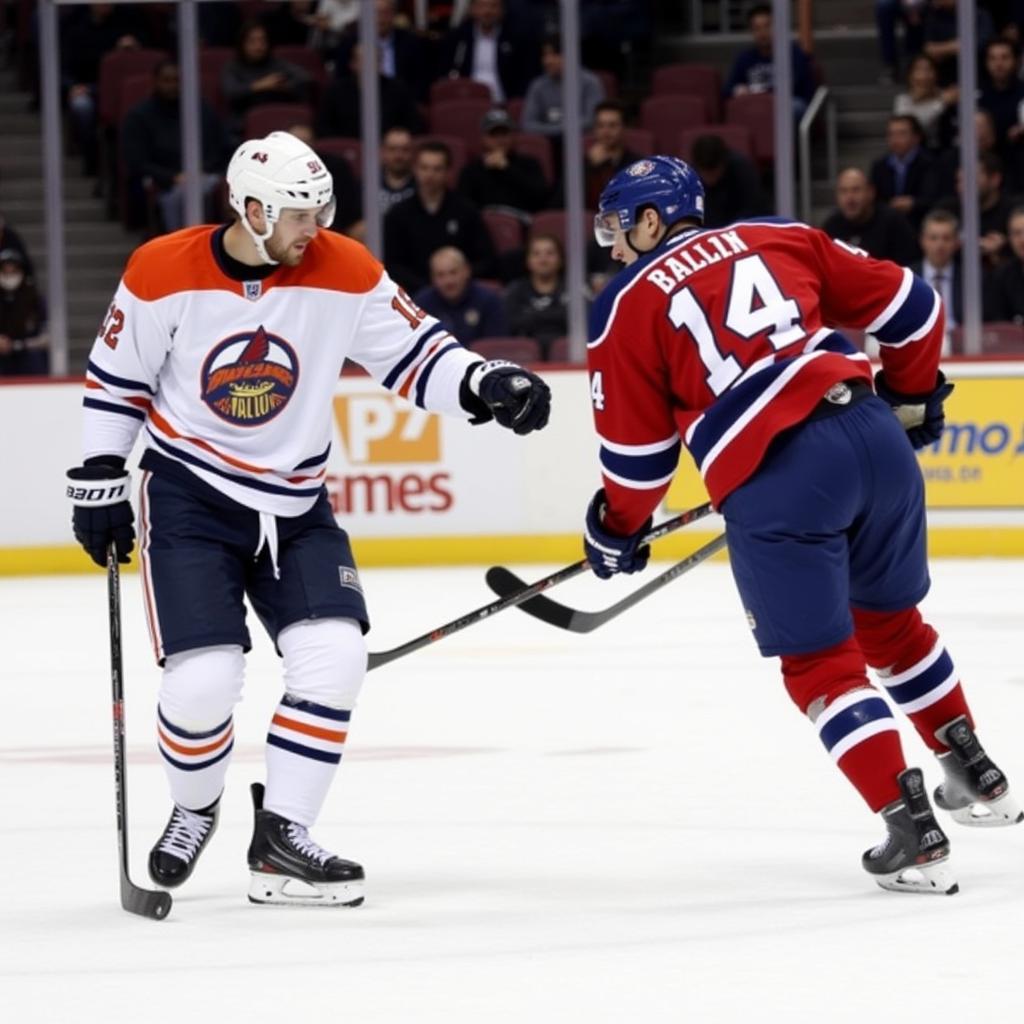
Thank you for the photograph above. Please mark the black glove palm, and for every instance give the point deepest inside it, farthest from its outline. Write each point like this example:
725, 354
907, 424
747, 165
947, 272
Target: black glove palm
514, 397
102, 514
922, 416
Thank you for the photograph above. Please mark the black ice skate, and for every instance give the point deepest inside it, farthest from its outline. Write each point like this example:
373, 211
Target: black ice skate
172, 859
913, 856
288, 867
975, 792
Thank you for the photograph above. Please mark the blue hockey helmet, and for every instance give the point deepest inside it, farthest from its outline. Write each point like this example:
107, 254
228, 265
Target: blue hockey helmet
667, 183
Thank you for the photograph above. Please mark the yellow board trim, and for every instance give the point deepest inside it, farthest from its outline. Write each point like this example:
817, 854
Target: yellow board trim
943, 542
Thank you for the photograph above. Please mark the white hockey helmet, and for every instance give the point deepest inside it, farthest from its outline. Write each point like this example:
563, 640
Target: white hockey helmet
282, 172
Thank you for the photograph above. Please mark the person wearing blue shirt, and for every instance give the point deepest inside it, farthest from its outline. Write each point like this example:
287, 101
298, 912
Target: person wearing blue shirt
468, 309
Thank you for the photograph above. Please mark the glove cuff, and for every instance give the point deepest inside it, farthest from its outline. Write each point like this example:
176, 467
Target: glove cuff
883, 390
480, 370
98, 485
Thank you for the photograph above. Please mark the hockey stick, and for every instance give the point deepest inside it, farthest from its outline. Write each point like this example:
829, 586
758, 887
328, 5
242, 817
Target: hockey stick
502, 581
522, 592
147, 902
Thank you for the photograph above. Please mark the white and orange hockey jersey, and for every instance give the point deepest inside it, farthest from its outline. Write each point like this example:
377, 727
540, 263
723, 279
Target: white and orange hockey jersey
234, 379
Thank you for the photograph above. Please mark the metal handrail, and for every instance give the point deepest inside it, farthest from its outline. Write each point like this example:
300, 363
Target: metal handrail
820, 101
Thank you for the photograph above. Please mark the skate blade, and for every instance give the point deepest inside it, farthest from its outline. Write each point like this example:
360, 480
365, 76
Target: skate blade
936, 879
998, 813
283, 890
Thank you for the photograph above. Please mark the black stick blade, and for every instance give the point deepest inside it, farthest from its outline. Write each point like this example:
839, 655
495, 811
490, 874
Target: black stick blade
504, 583
151, 903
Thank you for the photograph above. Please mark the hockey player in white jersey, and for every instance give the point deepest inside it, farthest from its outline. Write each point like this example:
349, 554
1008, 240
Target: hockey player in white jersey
223, 345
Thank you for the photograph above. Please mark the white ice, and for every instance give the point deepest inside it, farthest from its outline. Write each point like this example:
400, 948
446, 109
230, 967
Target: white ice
634, 825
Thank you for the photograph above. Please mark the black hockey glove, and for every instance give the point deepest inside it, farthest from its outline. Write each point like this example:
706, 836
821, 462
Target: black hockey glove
101, 492
516, 398
921, 416
608, 553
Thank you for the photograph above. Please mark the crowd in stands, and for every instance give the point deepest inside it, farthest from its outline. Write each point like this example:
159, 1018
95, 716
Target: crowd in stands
471, 182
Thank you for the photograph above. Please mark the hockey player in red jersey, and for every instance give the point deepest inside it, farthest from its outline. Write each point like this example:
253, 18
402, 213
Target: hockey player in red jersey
725, 341
223, 346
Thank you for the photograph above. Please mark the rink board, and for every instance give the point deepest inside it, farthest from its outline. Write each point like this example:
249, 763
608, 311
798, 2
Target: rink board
417, 489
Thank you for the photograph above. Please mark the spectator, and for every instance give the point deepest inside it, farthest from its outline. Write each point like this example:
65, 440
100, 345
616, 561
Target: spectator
1003, 94
401, 54
542, 108
87, 34
887, 14
1004, 296
151, 146
10, 239
500, 176
332, 18
255, 76
430, 219
861, 222
993, 208
905, 178
942, 37
24, 345
396, 180
468, 309
607, 152
537, 305
732, 187
940, 266
486, 48
753, 70
948, 161
341, 110
924, 99
348, 209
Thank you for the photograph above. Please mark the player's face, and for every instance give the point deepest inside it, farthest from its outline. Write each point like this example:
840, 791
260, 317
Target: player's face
293, 232
610, 234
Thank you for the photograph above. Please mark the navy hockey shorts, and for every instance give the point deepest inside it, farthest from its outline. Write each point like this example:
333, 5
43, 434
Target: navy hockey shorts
198, 555
833, 517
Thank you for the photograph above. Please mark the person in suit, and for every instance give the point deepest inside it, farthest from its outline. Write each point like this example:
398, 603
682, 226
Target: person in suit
940, 265
1004, 295
905, 177
488, 49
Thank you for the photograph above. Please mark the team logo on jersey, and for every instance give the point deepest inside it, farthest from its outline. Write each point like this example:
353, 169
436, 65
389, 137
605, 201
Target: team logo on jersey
640, 168
249, 378
252, 290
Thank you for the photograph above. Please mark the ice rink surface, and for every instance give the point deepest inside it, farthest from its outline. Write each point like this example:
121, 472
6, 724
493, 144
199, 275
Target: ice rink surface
634, 825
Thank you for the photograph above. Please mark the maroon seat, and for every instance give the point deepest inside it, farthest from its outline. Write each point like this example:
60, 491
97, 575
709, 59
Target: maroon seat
539, 147
609, 83
115, 66
554, 222
445, 89
996, 339
690, 80
515, 109
735, 136
558, 351
275, 117
757, 112
311, 61
506, 231
460, 118
516, 349
666, 116
350, 149
457, 147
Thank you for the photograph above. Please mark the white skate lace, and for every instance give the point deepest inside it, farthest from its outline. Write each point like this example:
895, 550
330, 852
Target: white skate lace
185, 833
301, 841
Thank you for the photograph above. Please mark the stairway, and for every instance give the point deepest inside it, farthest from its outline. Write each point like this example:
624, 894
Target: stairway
96, 248
846, 49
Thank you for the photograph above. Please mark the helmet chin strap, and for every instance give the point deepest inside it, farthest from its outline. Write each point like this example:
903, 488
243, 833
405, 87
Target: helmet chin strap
260, 240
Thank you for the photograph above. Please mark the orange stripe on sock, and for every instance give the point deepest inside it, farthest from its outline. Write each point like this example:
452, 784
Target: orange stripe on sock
309, 730
209, 748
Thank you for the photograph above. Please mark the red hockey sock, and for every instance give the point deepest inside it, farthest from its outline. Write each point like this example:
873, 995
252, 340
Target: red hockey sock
853, 720
914, 668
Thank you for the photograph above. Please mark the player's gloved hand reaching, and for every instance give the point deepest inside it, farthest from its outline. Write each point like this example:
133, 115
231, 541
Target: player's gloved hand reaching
921, 416
607, 552
101, 492
514, 397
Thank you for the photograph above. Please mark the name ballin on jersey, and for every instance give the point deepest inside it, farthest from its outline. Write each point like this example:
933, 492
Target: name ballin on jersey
249, 377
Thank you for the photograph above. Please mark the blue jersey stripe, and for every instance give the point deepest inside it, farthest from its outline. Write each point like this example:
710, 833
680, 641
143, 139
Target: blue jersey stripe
655, 466
256, 485
911, 316
400, 367
119, 382
124, 410
421, 384
303, 751
936, 674
871, 709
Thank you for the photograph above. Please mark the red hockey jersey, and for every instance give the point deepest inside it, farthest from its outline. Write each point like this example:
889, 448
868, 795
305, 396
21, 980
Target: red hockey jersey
725, 337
